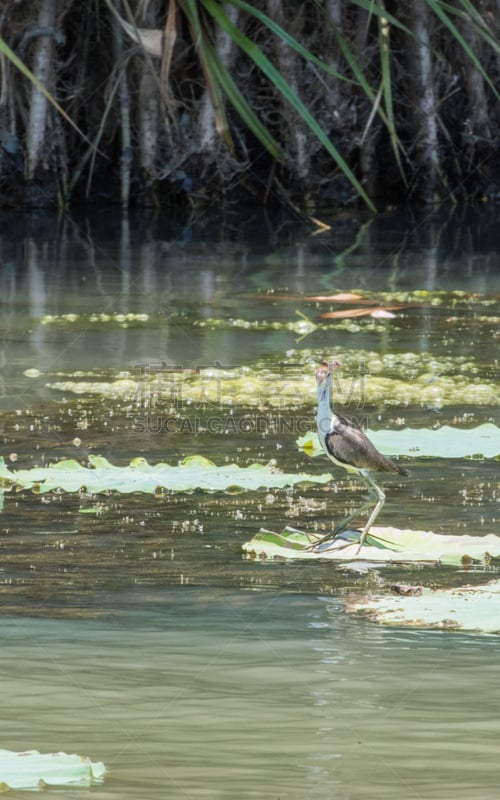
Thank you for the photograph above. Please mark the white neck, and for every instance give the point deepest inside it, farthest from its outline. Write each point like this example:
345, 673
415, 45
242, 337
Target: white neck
324, 414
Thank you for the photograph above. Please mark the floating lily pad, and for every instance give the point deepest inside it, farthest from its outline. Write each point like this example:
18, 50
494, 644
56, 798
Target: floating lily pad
472, 608
382, 545
483, 441
34, 770
195, 472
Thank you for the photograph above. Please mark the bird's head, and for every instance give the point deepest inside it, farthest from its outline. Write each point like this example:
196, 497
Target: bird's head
325, 370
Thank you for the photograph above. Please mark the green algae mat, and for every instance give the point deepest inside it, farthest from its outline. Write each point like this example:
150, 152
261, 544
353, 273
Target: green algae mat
396, 379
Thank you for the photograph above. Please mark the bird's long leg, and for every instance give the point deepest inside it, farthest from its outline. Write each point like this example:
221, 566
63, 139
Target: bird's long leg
345, 522
374, 499
375, 492
343, 525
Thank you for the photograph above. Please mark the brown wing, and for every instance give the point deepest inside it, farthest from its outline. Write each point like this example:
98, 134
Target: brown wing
349, 445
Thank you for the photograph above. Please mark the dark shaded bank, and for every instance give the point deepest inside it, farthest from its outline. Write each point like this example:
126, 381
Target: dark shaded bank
309, 104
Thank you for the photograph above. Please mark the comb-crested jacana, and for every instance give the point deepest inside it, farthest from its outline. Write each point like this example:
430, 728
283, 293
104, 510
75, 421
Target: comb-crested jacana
348, 446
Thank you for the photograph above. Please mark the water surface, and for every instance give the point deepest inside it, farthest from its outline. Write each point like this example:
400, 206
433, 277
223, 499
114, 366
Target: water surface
192, 693
133, 630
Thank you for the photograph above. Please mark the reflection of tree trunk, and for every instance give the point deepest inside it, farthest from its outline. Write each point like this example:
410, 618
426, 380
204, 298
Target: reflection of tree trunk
37, 293
36, 138
148, 126
425, 101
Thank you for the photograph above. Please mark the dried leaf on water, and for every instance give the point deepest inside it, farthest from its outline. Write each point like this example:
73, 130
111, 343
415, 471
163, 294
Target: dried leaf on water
379, 311
342, 297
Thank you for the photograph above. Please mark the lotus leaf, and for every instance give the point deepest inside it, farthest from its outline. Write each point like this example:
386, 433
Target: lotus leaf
34, 770
383, 545
195, 472
483, 441
472, 608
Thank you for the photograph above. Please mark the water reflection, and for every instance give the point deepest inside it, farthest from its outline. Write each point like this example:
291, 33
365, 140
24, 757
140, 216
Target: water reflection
48, 259
107, 263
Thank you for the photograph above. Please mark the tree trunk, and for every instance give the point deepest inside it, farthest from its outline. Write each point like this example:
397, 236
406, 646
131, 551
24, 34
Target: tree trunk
299, 153
149, 119
209, 136
334, 14
43, 69
426, 124
124, 99
477, 125
148, 125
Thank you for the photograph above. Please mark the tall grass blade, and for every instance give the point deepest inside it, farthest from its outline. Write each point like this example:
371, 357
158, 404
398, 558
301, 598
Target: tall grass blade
379, 10
475, 19
289, 39
205, 52
223, 77
385, 66
21, 66
261, 60
438, 9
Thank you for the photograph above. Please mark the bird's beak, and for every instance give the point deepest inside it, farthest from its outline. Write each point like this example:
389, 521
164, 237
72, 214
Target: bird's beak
324, 371
328, 366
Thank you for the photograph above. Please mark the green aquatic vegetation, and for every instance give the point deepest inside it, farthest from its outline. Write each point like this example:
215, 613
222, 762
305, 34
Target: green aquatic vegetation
467, 320
302, 327
365, 325
193, 473
353, 298
472, 608
286, 381
420, 297
383, 545
483, 441
103, 318
434, 297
